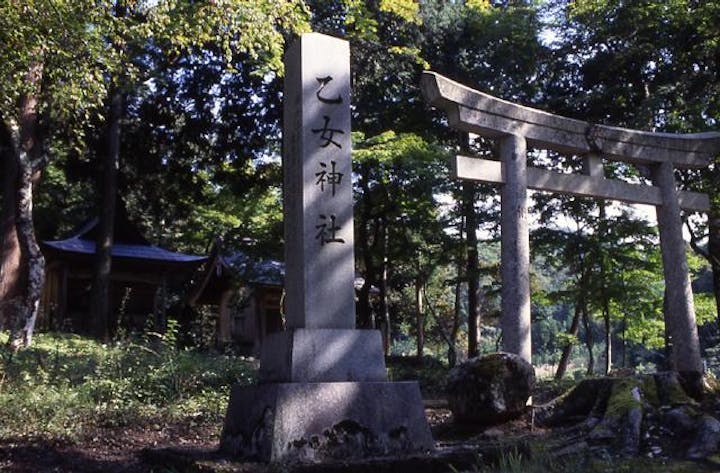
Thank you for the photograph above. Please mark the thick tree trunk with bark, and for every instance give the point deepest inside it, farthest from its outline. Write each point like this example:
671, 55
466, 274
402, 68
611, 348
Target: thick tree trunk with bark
101, 308
26, 149
24, 323
11, 275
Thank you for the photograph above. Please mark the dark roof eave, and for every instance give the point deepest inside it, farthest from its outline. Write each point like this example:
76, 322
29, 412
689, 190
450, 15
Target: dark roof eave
74, 246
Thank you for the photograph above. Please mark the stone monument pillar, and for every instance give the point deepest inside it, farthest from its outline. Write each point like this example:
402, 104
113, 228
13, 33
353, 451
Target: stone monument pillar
323, 392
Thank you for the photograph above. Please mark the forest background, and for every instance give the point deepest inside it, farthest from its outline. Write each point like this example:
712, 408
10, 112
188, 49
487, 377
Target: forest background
175, 108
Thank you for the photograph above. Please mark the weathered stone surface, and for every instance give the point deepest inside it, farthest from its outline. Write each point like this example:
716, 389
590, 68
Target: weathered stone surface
323, 355
484, 170
314, 422
679, 308
490, 389
476, 112
317, 186
707, 438
515, 249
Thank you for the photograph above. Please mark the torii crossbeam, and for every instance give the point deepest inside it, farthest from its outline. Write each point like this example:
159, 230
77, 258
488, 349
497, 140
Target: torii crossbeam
516, 127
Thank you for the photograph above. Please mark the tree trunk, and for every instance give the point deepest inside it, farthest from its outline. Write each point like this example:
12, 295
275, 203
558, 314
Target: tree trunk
461, 263
24, 324
365, 317
420, 317
580, 305
452, 356
589, 341
101, 309
11, 284
608, 337
384, 310
27, 149
473, 272
567, 350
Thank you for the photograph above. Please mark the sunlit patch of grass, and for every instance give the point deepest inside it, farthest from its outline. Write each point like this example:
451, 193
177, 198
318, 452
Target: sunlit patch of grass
65, 384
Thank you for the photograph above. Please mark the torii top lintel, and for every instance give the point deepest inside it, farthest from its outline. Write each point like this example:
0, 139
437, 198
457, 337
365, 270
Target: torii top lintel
483, 114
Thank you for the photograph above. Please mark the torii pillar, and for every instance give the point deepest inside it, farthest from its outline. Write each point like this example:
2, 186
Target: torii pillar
515, 249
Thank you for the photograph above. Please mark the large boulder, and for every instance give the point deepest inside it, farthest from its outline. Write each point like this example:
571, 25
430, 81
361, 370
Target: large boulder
490, 389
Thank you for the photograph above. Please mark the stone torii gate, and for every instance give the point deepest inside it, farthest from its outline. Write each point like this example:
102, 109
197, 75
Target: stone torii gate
516, 127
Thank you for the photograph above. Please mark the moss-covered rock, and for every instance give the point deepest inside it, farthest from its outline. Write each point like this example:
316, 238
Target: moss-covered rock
652, 415
490, 389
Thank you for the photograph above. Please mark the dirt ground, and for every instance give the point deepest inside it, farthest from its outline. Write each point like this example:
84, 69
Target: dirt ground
108, 450
119, 449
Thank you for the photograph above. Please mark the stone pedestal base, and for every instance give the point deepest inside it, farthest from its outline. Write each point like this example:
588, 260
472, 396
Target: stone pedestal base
314, 422
322, 356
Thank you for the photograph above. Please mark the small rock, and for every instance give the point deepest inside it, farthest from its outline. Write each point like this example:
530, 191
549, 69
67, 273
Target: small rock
706, 439
679, 420
494, 432
490, 389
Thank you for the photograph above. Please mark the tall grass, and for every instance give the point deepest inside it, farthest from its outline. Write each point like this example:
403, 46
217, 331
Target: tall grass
65, 383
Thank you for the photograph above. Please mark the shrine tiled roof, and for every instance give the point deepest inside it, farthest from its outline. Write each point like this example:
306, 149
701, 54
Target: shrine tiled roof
263, 271
128, 242
256, 271
123, 250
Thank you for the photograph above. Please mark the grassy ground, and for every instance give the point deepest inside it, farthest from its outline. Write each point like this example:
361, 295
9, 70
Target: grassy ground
68, 392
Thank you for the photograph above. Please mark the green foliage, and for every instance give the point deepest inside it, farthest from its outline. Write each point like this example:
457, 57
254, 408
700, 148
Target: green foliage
252, 28
64, 40
705, 309
430, 373
65, 383
650, 65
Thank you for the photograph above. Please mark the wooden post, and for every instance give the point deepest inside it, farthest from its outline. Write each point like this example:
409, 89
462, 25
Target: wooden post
515, 248
679, 307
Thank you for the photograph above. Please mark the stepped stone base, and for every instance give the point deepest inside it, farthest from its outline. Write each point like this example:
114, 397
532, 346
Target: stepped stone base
322, 355
315, 422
